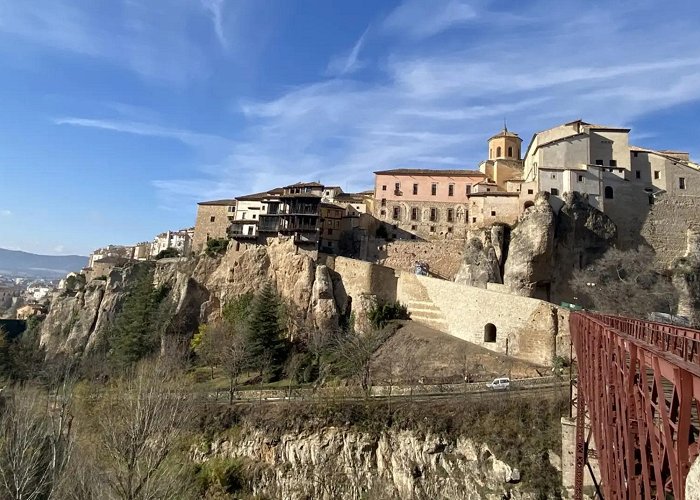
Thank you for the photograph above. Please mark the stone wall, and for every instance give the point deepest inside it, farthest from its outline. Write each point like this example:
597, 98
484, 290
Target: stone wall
206, 229
443, 257
666, 225
526, 328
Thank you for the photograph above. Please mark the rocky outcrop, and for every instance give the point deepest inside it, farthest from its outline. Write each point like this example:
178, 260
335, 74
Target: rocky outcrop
481, 261
531, 250
686, 278
583, 233
197, 290
336, 463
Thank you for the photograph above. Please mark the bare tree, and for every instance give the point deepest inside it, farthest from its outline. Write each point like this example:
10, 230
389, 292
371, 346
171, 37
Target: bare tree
629, 283
141, 422
234, 354
36, 441
353, 353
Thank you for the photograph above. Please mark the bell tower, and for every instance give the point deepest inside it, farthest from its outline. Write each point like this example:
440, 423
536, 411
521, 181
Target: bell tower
505, 145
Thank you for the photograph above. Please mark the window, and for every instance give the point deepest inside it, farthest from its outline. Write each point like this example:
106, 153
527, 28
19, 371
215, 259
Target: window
493, 213
449, 229
414, 213
554, 191
413, 228
337, 224
451, 190
530, 191
635, 154
383, 202
498, 152
450, 214
384, 187
253, 216
383, 213
580, 178
681, 183
415, 189
620, 170
490, 153
397, 189
432, 229
599, 162
396, 213
554, 176
474, 220
329, 231
510, 152
469, 189
657, 174
637, 174
489, 333
433, 214
433, 189
608, 193
212, 218
613, 163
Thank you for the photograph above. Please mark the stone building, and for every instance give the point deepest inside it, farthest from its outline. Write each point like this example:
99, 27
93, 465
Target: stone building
331, 227
249, 209
103, 267
504, 161
213, 221
652, 196
180, 240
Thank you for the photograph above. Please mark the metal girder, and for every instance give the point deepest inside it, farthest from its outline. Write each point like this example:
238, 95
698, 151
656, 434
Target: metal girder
639, 385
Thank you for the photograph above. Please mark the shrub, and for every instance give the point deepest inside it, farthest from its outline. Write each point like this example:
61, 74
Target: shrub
216, 246
167, 253
383, 312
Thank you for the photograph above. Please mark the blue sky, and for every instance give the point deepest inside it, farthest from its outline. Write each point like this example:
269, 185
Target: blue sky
119, 115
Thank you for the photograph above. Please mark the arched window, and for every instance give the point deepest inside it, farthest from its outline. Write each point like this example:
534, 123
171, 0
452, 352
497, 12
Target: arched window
489, 332
490, 153
510, 152
609, 193
498, 152
528, 204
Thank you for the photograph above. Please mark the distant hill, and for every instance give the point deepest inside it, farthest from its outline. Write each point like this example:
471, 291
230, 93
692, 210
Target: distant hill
15, 263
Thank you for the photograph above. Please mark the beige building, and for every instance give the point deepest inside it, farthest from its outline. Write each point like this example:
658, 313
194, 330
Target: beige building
213, 221
331, 227
504, 163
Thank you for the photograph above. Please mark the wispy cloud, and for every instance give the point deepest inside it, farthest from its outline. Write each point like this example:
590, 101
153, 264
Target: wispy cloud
145, 37
348, 63
424, 18
215, 8
190, 138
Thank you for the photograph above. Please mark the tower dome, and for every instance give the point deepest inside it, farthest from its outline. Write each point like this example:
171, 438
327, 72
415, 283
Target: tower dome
505, 145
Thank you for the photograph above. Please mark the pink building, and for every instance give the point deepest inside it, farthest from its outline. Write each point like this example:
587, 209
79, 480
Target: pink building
433, 202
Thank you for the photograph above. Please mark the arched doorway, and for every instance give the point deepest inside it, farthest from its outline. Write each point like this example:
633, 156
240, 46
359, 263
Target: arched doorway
609, 193
528, 204
489, 332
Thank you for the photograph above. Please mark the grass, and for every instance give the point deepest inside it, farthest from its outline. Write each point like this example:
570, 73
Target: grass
202, 381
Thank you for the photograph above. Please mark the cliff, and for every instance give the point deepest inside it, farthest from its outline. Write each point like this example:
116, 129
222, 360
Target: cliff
197, 289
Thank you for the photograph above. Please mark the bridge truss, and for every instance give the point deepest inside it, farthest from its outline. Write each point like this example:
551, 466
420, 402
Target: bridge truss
639, 386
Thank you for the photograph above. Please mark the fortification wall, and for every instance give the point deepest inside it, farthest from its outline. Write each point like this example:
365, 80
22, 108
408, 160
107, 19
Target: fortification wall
666, 225
526, 328
360, 277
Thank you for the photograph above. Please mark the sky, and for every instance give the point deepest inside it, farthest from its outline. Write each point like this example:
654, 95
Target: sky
118, 116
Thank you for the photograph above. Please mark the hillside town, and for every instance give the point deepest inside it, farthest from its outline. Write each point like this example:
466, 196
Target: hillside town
649, 194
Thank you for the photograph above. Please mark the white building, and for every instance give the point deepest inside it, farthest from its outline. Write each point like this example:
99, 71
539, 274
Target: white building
179, 240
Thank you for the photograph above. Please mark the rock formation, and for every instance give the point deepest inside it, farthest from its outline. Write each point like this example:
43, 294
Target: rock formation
530, 253
336, 463
198, 288
481, 262
686, 278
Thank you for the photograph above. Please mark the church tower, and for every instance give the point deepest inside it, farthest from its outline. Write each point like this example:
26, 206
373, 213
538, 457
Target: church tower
505, 145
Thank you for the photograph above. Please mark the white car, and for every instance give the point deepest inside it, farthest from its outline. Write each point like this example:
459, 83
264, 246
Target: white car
502, 383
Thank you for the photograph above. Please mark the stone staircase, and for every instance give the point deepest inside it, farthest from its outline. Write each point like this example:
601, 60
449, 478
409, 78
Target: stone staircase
422, 309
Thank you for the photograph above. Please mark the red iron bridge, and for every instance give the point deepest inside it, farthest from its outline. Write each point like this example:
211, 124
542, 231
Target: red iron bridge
638, 388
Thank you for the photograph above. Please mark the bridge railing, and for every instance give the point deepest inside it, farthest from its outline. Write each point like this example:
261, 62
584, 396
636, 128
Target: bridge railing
680, 341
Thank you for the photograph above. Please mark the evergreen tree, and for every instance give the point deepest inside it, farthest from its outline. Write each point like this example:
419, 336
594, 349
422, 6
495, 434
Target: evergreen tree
135, 333
264, 330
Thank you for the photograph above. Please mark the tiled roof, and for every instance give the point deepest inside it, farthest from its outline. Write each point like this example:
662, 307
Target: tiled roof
428, 171
260, 196
218, 202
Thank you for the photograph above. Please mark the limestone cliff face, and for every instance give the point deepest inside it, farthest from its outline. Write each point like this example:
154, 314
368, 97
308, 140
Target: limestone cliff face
481, 261
531, 249
79, 314
334, 463
686, 278
197, 290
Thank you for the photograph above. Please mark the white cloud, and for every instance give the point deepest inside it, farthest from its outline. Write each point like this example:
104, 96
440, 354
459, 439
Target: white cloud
349, 63
216, 11
194, 139
424, 18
